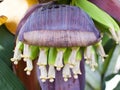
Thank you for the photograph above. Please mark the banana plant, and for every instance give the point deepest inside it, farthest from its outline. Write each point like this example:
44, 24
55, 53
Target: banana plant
103, 62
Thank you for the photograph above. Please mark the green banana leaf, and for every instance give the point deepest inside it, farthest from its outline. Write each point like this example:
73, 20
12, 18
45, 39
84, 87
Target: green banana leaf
109, 46
93, 78
111, 60
6, 45
8, 80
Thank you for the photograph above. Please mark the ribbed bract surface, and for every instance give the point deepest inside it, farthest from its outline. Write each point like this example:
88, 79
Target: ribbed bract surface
58, 17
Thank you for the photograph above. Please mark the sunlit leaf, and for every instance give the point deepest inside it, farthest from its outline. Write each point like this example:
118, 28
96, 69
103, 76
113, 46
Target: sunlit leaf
111, 60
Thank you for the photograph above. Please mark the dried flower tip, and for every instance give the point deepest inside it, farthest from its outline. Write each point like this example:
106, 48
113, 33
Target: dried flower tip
100, 50
42, 60
72, 58
51, 73
43, 72
29, 66
76, 69
114, 35
66, 72
58, 62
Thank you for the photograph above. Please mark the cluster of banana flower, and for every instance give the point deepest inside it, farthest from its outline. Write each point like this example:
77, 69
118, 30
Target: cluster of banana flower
59, 37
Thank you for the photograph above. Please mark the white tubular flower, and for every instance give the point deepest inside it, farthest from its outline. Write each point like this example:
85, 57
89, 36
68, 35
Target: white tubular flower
26, 55
43, 72
100, 50
26, 52
42, 60
76, 69
51, 73
17, 54
72, 58
29, 66
93, 63
114, 35
66, 72
59, 62
87, 54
